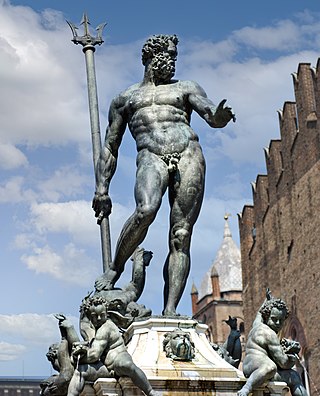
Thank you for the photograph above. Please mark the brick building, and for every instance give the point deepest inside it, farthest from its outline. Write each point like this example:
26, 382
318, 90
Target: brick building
20, 386
220, 293
280, 232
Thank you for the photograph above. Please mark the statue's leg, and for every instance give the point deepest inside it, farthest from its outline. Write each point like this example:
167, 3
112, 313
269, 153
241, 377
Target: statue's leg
77, 383
151, 184
141, 259
185, 195
124, 366
264, 372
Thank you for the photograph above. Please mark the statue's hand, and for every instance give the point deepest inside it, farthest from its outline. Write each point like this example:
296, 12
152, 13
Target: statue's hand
60, 316
290, 347
79, 349
101, 205
63, 321
223, 115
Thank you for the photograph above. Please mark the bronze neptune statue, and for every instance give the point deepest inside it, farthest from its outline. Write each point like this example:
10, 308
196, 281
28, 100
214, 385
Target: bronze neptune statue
169, 157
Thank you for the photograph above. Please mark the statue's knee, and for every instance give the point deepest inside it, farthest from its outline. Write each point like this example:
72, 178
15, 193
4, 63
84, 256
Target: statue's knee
146, 213
124, 365
181, 237
271, 371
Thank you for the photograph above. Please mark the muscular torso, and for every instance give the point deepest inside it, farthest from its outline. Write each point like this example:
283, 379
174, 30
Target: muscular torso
109, 333
158, 116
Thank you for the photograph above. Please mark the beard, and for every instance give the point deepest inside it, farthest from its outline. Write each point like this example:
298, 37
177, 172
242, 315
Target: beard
163, 67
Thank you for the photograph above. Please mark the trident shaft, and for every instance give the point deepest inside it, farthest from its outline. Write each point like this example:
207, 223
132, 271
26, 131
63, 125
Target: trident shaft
88, 43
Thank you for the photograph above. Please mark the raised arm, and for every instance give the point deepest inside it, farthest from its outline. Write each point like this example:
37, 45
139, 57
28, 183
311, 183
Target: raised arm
108, 158
216, 117
258, 319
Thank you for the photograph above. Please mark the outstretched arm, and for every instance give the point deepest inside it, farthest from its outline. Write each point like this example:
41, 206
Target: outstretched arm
108, 158
216, 117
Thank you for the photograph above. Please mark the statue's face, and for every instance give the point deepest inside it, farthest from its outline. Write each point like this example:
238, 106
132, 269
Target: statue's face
52, 353
276, 319
98, 315
164, 63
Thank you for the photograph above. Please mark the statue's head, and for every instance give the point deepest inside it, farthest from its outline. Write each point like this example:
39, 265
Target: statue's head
52, 356
178, 345
274, 312
161, 52
95, 308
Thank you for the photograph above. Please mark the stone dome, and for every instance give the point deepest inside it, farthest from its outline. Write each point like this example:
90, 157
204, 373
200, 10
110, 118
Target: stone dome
227, 264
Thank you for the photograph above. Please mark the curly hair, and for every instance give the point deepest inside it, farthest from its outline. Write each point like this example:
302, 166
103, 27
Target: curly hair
267, 306
89, 302
156, 44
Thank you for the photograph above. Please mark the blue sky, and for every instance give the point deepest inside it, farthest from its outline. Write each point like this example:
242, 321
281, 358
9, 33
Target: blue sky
49, 241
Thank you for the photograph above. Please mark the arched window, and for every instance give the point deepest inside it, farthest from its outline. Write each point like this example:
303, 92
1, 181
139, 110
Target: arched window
294, 330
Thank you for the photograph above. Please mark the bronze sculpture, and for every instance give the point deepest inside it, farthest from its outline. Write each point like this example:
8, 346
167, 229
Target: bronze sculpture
157, 112
267, 357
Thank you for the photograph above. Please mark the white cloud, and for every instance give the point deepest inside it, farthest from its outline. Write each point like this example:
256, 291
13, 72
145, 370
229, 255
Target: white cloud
206, 53
40, 88
75, 218
24, 241
10, 351
30, 329
71, 265
13, 190
11, 157
285, 35
75, 259
65, 182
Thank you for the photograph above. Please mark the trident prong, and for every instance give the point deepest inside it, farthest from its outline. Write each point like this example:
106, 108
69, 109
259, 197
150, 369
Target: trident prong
85, 22
86, 39
99, 30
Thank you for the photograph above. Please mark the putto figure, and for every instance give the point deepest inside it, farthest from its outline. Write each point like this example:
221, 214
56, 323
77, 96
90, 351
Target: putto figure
157, 112
106, 354
267, 357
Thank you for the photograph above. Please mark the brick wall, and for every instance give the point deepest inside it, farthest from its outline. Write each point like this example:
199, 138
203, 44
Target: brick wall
280, 232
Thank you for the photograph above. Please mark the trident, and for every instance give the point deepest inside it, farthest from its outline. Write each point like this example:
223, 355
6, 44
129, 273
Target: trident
88, 42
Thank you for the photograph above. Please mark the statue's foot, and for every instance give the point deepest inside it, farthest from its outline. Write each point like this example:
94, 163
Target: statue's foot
170, 312
106, 281
153, 393
142, 257
147, 256
244, 391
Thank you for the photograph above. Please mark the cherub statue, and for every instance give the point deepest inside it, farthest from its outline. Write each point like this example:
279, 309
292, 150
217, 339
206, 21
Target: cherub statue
119, 308
106, 354
268, 358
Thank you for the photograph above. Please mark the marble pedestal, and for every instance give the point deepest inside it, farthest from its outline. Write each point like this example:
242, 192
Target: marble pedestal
206, 374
